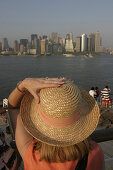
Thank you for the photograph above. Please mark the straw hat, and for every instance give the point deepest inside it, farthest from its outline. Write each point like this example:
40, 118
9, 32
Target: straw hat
65, 116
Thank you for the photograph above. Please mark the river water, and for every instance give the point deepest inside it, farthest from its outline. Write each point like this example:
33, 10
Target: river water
86, 72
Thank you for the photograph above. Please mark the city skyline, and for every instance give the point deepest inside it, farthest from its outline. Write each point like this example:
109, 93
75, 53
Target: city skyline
19, 19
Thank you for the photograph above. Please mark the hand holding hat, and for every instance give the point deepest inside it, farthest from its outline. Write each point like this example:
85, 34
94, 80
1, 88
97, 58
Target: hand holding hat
33, 85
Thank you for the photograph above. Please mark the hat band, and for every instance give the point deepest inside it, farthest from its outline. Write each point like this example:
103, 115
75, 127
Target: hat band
59, 122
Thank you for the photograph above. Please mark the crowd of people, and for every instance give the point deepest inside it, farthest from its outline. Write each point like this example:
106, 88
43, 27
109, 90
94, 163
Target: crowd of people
103, 97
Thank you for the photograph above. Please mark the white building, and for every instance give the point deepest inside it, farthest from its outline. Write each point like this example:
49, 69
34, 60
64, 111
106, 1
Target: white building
84, 43
69, 46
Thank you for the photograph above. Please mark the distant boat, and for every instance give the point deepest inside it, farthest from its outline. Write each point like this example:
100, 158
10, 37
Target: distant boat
68, 55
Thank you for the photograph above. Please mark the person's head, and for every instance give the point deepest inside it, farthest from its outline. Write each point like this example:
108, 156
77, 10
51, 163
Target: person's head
96, 88
106, 87
61, 121
92, 88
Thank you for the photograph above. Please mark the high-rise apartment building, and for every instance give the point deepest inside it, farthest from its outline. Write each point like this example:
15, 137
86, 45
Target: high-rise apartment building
55, 37
84, 43
69, 46
5, 44
44, 47
34, 41
69, 36
16, 46
91, 42
98, 42
78, 44
24, 42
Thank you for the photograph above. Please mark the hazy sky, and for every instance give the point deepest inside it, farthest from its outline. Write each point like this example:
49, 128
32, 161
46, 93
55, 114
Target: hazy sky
20, 18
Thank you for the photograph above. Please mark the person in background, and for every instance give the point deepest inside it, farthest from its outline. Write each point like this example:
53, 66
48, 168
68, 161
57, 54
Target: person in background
52, 130
105, 96
8, 156
92, 92
97, 94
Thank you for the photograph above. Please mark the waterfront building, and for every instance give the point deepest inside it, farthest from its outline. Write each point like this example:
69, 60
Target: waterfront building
62, 41
22, 48
55, 37
69, 36
44, 37
33, 36
16, 46
98, 42
69, 46
91, 42
34, 41
55, 48
32, 51
24, 42
78, 44
84, 42
44, 47
5, 44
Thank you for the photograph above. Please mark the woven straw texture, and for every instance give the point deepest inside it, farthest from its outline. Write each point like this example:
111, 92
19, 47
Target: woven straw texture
61, 102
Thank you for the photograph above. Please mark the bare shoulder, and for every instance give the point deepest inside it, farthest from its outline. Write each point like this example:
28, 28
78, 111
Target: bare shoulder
22, 137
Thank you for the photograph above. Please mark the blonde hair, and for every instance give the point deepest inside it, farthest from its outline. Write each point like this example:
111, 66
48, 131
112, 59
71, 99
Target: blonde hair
62, 154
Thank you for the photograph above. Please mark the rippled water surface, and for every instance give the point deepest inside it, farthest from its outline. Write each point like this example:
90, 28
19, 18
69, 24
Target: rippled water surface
86, 72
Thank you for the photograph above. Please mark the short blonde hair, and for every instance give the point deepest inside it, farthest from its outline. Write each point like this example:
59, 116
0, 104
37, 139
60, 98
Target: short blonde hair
61, 154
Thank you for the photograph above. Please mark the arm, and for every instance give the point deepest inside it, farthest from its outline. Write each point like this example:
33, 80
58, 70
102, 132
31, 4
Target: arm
33, 85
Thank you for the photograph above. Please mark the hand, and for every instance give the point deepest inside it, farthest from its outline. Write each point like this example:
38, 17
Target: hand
33, 85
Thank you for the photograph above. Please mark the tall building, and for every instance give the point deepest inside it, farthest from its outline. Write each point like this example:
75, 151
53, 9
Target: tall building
24, 42
78, 44
34, 41
69, 46
44, 47
16, 46
84, 43
98, 42
55, 37
5, 44
22, 48
91, 42
69, 36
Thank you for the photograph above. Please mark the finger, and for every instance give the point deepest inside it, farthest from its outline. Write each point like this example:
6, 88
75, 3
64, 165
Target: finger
56, 79
53, 82
37, 98
46, 85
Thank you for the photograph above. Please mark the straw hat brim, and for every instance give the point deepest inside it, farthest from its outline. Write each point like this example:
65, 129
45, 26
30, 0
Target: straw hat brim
67, 136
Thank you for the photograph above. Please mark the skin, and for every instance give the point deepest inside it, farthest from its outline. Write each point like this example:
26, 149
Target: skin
33, 85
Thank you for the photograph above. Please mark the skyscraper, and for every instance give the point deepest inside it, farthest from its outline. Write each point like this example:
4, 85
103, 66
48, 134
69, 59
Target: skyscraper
44, 47
16, 46
69, 46
69, 36
84, 43
98, 43
55, 37
78, 44
24, 42
34, 41
91, 42
5, 44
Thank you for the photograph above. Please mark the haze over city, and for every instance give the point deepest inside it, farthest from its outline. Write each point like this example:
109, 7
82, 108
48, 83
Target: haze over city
20, 19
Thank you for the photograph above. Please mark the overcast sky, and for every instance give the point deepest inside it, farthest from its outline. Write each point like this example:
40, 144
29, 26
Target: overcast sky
21, 18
